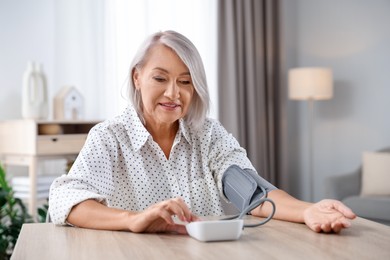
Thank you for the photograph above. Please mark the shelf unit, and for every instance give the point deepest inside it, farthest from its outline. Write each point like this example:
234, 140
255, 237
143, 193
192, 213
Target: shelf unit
26, 142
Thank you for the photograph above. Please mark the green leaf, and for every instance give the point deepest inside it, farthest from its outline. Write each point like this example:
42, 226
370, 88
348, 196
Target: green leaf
13, 215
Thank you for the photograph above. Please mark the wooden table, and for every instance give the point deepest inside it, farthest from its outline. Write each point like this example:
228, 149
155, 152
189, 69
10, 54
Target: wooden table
275, 240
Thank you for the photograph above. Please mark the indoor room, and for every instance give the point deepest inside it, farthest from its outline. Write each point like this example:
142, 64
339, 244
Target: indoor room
294, 93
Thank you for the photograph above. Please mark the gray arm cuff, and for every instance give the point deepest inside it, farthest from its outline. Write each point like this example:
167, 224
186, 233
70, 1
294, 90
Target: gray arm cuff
242, 186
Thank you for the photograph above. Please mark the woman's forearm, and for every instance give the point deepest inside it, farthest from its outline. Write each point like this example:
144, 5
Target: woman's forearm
287, 207
94, 215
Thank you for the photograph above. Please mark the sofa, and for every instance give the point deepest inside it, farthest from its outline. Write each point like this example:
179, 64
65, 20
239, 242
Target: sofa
366, 190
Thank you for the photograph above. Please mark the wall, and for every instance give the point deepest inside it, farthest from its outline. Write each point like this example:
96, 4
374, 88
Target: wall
56, 34
26, 31
353, 38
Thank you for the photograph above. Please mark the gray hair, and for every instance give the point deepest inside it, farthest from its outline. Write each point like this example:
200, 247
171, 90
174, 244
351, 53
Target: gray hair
190, 56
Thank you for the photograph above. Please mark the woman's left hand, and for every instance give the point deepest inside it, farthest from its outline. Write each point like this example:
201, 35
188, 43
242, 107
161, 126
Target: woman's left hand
328, 216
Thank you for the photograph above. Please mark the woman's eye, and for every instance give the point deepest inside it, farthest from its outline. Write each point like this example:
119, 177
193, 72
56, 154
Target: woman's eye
185, 82
159, 79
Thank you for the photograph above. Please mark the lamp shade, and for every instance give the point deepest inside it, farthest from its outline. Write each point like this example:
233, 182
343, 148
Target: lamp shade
310, 83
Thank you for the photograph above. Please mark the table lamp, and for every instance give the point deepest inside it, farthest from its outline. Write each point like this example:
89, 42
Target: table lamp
310, 84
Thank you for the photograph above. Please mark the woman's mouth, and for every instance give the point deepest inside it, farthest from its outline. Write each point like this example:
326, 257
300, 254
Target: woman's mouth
169, 105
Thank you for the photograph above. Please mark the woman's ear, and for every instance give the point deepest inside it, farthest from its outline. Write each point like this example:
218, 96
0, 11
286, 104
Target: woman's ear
136, 78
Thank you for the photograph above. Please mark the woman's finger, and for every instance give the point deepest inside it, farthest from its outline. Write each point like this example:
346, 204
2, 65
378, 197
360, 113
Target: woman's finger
336, 227
347, 212
326, 227
180, 229
186, 214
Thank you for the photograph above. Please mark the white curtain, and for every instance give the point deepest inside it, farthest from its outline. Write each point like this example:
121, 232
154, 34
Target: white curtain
96, 40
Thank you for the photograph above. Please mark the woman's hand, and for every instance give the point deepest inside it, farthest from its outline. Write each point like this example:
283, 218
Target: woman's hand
158, 217
328, 216
323, 216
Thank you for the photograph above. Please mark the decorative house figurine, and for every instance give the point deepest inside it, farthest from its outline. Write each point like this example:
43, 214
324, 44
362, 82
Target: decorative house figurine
68, 104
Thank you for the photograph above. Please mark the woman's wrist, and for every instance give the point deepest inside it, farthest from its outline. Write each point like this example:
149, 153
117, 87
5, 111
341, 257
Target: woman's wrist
287, 207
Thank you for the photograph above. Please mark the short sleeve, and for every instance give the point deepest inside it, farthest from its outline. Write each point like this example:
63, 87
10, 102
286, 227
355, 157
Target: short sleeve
226, 151
89, 178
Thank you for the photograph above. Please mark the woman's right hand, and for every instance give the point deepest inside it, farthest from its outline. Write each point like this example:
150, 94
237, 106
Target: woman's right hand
158, 217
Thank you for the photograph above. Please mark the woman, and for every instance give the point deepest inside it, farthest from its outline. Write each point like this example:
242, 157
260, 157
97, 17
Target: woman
162, 157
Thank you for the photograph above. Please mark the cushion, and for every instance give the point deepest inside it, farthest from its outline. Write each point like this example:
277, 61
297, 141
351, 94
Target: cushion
376, 173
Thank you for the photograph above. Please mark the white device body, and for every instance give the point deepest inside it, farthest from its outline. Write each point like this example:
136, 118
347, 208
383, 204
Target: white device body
216, 230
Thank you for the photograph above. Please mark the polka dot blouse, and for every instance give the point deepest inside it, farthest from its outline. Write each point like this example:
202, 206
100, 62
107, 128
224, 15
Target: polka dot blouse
121, 166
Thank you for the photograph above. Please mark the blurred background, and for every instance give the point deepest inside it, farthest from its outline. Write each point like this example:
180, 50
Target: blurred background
89, 44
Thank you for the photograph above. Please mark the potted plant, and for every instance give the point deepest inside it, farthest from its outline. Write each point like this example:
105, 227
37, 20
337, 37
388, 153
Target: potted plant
13, 215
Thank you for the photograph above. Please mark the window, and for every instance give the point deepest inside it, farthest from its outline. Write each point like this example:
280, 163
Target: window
124, 26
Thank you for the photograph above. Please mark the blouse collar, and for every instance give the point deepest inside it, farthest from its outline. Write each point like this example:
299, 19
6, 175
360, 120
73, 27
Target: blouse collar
139, 134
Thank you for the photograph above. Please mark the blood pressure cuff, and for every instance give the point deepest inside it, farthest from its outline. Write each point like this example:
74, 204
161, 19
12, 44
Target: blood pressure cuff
243, 186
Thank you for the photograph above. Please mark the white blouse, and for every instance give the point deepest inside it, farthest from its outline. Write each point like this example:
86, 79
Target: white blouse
121, 166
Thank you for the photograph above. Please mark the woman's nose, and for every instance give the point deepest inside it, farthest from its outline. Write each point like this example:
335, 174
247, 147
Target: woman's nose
172, 91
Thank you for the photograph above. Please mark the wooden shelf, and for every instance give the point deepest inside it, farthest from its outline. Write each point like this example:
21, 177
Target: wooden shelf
43, 137
25, 142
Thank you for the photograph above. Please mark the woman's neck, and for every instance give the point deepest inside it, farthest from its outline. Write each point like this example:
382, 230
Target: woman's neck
163, 135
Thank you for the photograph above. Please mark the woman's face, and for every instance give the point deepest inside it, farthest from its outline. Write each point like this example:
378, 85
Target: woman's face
166, 86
